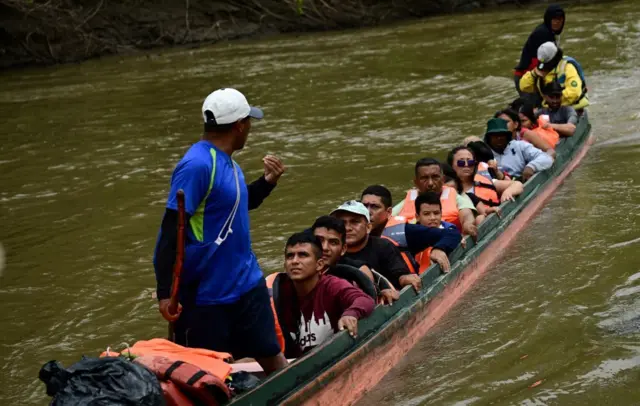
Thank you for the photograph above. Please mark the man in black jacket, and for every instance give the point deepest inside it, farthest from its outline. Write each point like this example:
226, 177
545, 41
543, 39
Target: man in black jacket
548, 31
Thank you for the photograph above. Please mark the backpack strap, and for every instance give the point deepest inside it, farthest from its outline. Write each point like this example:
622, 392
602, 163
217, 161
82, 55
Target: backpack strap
282, 278
561, 71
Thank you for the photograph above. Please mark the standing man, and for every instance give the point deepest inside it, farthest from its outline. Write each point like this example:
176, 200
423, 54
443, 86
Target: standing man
224, 301
551, 27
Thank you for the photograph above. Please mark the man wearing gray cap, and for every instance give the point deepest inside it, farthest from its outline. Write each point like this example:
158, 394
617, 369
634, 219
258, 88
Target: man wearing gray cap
553, 66
224, 301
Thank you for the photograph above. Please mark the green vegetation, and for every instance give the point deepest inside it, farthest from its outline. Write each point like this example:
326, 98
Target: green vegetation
55, 31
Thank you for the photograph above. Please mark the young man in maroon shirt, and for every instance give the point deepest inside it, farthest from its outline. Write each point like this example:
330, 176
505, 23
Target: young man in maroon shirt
314, 306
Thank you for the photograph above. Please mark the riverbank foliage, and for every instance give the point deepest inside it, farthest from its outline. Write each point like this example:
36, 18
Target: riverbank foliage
57, 31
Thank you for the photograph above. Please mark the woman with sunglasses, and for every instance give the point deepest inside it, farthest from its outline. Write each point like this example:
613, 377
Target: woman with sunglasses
485, 193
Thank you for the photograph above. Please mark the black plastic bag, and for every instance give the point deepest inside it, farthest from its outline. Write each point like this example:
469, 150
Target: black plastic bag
101, 381
242, 382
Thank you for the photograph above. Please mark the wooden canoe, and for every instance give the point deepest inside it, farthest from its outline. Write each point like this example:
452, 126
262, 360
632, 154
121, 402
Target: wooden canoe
342, 370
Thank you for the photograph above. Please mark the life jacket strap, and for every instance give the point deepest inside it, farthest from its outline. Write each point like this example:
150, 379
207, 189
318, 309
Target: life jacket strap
173, 367
196, 377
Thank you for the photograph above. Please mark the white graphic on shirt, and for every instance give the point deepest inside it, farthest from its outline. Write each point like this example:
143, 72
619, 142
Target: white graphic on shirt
313, 332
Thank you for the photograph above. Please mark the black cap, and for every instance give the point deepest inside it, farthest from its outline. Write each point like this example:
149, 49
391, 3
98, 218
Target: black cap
552, 88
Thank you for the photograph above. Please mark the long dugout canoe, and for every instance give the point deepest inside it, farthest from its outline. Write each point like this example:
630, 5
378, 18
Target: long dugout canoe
342, 370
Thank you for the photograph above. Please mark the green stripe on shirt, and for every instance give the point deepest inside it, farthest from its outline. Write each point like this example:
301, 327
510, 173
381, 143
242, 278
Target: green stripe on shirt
197, 220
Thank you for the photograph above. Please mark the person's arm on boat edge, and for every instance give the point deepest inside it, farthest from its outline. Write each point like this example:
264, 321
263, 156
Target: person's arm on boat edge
467, 215
261, 188
570, 118
397, 271
508, 189
565, 130
356, 303
536, 159
194, 181
468, 221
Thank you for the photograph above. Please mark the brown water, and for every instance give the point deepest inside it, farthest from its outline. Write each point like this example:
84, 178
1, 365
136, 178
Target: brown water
87, 151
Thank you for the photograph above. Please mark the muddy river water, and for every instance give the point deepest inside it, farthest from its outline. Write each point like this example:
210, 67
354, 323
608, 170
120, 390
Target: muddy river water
87, 152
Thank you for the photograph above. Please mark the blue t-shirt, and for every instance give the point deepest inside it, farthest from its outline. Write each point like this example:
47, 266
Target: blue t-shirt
218, 253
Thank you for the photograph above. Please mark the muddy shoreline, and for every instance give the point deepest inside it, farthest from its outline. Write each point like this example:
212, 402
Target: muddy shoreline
34, 32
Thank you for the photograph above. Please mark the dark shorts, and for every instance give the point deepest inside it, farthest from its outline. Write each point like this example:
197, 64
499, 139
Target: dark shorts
244, 328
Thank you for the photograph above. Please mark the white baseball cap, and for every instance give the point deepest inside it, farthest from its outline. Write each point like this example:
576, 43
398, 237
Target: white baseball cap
226, 106
355, 207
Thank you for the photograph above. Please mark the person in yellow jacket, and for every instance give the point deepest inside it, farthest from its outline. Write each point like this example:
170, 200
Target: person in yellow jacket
553, 66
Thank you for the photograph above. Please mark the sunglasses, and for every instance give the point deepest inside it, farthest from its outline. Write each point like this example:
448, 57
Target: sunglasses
461, 163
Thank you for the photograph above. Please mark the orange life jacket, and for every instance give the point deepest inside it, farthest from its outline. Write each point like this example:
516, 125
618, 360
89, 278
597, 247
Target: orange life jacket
550, 136
211, 361
450, 212
394, 232
485, 191
279, 335
182, 378
424, 259
173, 395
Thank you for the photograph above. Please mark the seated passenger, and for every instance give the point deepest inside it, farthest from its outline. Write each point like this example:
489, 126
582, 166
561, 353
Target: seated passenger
464, 163
553, 66
456, 208
377, 199
483, 191
410, 239
563, 119
379, 254
487, 166
332, 235
513, 120
311, 306
429, 210
518, 159
533, 124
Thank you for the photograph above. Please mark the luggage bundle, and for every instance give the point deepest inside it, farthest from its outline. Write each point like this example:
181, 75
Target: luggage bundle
154, 372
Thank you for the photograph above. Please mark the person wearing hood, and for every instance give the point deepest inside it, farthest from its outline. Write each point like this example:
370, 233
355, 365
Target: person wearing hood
553, 66
519, 159
552, 27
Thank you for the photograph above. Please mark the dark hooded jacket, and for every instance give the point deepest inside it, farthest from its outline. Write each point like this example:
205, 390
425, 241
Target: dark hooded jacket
542, 34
